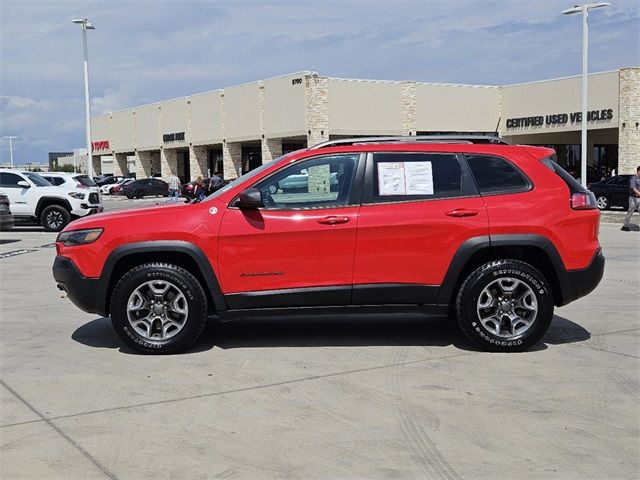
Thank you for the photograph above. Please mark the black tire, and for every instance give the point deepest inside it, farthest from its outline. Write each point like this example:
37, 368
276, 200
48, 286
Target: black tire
180, 278
54, 218
469, 294
129, 196
603, 202
139, 194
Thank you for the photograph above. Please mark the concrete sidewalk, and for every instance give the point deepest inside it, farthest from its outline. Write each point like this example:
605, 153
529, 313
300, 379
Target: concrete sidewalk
349, 397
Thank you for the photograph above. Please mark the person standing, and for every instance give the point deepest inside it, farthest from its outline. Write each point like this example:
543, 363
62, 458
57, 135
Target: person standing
198, 189
634, 199
174, 188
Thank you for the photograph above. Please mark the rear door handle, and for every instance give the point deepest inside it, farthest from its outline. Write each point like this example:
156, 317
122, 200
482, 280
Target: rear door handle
462, 212
333, 220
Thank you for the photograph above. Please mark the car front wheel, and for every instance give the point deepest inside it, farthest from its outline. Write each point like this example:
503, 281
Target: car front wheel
54, 218
602, 202
158, 308
504, 306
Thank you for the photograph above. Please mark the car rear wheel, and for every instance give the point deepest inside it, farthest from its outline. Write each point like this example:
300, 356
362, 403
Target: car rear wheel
504, 306
139, 194
158, 308
602, 202
54, 218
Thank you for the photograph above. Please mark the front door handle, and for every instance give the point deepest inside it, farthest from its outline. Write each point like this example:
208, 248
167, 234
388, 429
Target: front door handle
333, 220
462, 212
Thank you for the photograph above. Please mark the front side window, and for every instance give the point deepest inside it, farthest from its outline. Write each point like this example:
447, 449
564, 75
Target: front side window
10, 180
37, 179
415, 176
316, 183
496, 175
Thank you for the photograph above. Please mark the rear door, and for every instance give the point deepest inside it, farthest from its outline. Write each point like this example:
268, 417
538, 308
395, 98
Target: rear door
618, 190
418, 208
299, 249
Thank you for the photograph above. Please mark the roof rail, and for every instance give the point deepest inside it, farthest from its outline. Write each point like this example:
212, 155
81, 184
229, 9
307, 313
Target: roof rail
417, 138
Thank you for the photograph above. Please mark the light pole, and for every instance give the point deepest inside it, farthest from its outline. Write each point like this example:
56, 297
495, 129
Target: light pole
584, 9
86, 25
10, 137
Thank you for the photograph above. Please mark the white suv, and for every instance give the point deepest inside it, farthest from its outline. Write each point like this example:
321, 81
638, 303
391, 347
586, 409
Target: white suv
70, 180
35, 200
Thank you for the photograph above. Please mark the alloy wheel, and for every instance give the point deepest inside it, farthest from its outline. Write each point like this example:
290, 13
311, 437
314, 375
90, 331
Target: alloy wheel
507, 307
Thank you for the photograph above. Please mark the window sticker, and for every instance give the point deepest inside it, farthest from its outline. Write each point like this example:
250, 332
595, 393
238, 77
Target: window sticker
405, 178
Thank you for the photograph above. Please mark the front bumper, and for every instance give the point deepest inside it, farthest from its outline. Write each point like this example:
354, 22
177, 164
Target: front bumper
87, 209
86, 293
579, 283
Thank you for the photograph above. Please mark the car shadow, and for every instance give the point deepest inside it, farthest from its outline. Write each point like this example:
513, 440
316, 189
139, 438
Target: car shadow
5, 241
349, 330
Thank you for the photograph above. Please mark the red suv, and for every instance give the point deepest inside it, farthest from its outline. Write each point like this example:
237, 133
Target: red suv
491, 233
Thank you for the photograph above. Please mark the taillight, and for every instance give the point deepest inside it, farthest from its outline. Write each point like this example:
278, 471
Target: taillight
583, 201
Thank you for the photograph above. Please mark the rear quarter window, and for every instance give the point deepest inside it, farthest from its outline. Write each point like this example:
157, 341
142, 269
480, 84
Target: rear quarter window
494, 175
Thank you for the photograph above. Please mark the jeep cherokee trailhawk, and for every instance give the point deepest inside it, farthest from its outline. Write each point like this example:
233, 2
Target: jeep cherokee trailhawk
491, 233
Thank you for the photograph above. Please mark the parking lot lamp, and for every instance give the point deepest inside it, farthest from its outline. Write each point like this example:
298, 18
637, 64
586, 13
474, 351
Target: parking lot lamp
10, 138
86, 25
584, 9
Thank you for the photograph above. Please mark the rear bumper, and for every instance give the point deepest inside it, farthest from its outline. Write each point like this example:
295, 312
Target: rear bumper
579, 283
85, 293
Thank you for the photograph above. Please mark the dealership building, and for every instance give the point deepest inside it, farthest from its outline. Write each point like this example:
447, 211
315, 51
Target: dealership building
233, 130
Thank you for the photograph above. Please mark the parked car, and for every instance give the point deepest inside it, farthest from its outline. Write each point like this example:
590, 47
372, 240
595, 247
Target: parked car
612, 192
6, 217
107, 189
145, 187
117, 187
495, 234
110, 179
35, 200
70, 180
211, 184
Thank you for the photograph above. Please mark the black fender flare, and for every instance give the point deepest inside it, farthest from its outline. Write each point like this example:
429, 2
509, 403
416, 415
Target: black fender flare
162, 246
476, 244
44, 202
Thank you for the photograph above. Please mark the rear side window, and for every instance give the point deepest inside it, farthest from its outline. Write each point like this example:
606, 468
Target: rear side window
496, 175
57, 181
85, 181
399, 177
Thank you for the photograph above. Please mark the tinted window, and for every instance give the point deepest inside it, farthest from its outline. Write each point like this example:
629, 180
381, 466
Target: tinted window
54, 180
85, 181
319, 182
37, 179
622, 180
415, 176
10, 180
496, 175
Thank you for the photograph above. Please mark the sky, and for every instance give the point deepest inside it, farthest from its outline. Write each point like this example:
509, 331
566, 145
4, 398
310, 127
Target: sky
145, 51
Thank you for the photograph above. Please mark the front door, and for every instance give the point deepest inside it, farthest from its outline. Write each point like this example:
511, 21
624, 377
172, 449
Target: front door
22, 199
417, 209
299, 249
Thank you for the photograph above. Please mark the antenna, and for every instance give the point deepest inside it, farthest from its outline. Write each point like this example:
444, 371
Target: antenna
498, 126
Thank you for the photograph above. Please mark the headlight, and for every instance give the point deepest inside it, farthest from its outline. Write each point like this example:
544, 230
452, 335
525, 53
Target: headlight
79, 237
78, 195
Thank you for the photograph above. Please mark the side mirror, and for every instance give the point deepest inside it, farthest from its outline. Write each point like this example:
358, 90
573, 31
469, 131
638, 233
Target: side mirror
251, 198
24, 184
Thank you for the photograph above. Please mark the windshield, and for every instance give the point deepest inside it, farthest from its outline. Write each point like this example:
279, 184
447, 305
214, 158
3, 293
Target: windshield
243, 178
37, 179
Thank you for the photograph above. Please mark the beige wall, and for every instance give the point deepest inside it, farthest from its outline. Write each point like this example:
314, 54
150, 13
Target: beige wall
174, 118
445, 108
101, 128
241, 105
148, 127
284, 107
206, 123
558, 97
122, 139
365, 107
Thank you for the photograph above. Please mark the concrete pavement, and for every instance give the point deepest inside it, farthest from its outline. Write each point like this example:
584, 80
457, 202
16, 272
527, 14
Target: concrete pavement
358, 397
